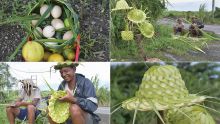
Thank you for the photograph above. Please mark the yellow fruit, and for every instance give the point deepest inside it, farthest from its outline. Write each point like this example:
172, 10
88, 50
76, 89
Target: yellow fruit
46, 56
69, 54
55, 58
33, 51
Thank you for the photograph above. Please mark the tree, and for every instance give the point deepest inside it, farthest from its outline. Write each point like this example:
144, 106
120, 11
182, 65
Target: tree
6, 80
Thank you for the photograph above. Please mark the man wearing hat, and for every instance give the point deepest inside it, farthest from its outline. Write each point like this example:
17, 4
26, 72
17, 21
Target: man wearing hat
80, 93
29, 101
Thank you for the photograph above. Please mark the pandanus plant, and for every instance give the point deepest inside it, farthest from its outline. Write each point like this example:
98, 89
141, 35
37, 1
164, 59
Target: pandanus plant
135, 19
163, 91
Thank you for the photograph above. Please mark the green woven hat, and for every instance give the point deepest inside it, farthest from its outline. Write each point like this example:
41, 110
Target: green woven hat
162, 88
136, 16
147, 29
127, 35
121, 5
58, 111
60, 65
195, 115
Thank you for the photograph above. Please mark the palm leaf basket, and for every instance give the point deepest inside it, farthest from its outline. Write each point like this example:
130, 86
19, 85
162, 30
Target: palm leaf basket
32, 33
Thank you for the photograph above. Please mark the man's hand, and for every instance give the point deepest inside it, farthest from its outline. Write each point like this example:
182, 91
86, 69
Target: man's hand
17, 104
68, 98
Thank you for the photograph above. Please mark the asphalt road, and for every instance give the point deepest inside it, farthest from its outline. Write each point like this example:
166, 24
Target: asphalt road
211, 28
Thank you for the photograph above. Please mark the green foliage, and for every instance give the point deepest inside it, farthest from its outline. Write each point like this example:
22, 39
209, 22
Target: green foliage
162, 42
102, 92
126, 78
153, 9
6, 81
217, 12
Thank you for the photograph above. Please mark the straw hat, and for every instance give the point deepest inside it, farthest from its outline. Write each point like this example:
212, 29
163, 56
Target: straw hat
136, 16
195, 115
60, 65
147, 29
162, 88
121, 5
28, 83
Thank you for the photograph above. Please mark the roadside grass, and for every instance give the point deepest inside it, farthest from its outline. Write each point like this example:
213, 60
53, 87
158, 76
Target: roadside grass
163, 42
187, 14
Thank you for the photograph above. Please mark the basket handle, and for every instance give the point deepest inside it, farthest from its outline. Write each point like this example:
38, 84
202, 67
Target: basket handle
77, 48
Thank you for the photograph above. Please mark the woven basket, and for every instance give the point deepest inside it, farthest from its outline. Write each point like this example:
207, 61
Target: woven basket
67, 12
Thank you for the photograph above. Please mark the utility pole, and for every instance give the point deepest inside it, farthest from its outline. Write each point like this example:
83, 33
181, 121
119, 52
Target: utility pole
213, 8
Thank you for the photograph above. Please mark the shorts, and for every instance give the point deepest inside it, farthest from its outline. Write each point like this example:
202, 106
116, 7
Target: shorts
23, 114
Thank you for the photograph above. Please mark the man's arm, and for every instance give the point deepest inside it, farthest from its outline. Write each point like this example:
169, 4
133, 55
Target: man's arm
33, 102
90, 102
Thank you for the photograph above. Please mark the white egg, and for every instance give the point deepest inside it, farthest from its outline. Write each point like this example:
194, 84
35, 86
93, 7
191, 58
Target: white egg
68, 35
43, 9
34, 22
48, 31
56, 11
57, 23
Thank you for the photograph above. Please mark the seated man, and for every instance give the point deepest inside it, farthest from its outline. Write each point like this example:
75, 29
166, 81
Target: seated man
178, 27
29, 98
80, 94
195, 27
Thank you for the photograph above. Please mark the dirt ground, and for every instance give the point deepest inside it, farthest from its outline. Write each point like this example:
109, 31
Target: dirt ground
94, 28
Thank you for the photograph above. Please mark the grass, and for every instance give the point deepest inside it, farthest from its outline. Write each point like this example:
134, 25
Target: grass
161, 43
175, 14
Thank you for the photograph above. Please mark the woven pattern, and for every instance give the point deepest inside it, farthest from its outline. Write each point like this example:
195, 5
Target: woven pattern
196, 115
58, 111
146, 29
136, 16
127, 35
162, 87
121, 5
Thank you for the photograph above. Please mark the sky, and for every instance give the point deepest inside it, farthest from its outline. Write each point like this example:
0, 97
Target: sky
24, 70
191, 5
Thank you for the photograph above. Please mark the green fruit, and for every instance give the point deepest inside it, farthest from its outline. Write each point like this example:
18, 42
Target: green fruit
67, 23
46, 56
33, 51
127, 35
69, 54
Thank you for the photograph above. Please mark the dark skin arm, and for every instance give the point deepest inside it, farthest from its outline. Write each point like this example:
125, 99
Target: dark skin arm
68, 98
34, 102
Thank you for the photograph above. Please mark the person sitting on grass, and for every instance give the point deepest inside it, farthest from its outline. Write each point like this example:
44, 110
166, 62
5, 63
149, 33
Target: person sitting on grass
178, 27
29, 99
195, 27
80, 94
